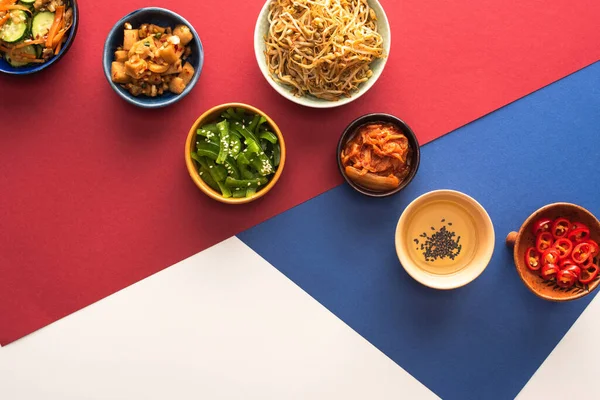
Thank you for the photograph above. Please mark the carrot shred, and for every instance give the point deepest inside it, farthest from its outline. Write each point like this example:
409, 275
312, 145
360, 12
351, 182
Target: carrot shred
4, 19
27, 43
57, 50
55, 25
36, 60
14, 7
58, 37
11, 51
24, 55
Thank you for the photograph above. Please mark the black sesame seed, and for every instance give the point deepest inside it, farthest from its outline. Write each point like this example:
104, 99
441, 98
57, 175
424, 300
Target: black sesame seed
441, 244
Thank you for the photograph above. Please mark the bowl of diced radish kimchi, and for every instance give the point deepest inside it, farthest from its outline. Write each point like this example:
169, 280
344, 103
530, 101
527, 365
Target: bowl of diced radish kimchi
153, 57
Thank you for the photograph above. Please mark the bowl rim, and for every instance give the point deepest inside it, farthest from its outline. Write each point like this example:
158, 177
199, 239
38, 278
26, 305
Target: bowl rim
194, 173
107, 59
436, 283
517, 261
285, 92
351, 129
60, 55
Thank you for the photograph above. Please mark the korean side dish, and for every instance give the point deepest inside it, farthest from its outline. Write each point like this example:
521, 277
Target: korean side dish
238, 154
152, 60
33, 31
322, 47
563, 253
377, 157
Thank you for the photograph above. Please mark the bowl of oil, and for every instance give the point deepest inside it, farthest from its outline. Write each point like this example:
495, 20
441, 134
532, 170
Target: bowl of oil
444, 239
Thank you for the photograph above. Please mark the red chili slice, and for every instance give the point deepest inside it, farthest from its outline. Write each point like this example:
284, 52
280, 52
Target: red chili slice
542, 225
578, 225
579, 234
544, 241
564, 247
550, 256
581, 252
549, 271
588, 262
566, 262
595, 248
565, 278
589, 273
560, 228
574, 269
532, 259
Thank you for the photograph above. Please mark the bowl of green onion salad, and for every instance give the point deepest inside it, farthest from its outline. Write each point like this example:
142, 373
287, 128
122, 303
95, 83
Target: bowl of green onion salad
235, 153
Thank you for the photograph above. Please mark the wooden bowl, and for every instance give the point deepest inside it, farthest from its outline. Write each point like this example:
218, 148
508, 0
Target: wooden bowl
210, 116
524, 239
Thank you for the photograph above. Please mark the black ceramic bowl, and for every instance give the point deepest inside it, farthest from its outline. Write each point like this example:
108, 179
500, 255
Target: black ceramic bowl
351, 130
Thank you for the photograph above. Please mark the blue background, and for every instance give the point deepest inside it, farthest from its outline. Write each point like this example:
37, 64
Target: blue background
484, 340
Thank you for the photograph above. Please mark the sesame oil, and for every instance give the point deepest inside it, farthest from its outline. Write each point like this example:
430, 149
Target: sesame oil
441, 237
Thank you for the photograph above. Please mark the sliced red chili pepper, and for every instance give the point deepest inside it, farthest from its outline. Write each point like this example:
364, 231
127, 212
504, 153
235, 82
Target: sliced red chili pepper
549, 271
589, 273
542, 225
565, 278
532, 259
581, 252
550, 256
544, 241
566, 262
595, 248
564, 247
560, 228
580, 234
578, 225
588, 262
574, 269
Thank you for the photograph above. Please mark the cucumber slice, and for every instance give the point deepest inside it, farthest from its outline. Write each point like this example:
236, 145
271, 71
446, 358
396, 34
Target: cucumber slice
41, 24
27, 50
28, 2
15, 28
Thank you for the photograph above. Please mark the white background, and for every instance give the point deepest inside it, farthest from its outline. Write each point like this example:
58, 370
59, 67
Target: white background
209, 329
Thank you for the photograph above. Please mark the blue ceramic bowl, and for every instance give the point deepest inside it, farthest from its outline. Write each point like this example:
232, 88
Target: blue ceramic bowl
33, 68
160, 17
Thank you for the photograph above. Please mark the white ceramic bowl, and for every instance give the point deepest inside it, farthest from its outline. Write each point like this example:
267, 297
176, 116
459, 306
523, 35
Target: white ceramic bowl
260, 32
477, 253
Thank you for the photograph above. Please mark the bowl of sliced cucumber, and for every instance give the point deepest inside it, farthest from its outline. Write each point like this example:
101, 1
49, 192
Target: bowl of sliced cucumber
35, 34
